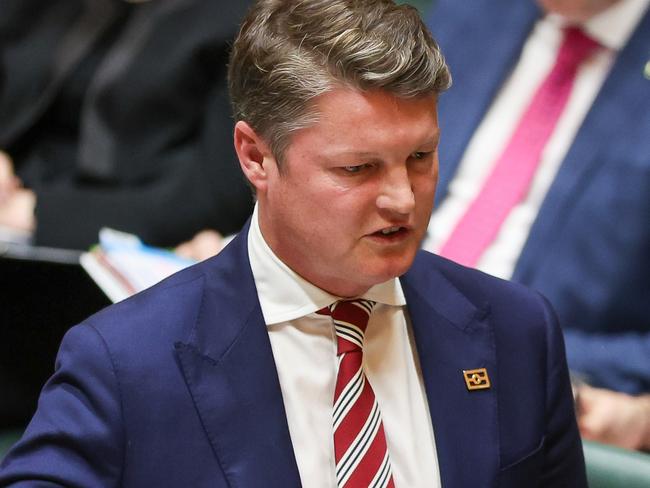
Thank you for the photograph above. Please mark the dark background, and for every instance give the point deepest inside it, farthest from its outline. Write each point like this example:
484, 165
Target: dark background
41, 297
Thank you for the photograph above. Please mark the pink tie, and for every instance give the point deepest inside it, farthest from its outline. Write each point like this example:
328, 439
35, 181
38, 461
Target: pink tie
360, 449
510, 179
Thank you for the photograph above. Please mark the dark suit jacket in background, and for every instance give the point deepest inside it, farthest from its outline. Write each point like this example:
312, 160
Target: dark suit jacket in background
588, 251
177, 386
154, 154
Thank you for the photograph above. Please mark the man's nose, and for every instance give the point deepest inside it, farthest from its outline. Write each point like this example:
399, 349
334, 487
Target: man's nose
397, 193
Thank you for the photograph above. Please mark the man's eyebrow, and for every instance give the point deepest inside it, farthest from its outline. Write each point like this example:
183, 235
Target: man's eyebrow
363, 154
432, 139
435, 137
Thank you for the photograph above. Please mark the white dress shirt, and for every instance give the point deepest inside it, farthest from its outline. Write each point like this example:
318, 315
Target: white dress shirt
611, 28
304, 350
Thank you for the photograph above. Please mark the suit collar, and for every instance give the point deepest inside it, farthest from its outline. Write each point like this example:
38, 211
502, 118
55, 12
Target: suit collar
452, 334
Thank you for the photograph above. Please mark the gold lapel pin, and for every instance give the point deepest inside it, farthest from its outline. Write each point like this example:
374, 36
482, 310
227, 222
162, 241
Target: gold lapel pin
646, 70
476, 379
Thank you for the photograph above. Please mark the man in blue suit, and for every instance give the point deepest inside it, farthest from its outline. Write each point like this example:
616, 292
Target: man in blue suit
582, 234
225, 374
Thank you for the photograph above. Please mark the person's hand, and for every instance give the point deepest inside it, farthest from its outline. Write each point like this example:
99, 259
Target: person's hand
17, 210
614, 418
8, 180
202, 246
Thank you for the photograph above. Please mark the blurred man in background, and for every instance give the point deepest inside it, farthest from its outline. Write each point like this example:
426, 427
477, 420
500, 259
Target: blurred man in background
115, 113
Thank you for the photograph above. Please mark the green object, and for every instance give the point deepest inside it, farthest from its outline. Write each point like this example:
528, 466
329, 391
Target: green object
7, 439
613, 467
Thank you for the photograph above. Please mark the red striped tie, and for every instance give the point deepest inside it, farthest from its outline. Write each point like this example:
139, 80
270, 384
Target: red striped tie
359, 441
511, 177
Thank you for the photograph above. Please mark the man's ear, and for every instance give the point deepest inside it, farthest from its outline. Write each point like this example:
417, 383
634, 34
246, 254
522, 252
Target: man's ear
255, 157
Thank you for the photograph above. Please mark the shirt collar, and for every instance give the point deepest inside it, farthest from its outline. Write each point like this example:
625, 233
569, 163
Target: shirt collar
613, 26
284, 295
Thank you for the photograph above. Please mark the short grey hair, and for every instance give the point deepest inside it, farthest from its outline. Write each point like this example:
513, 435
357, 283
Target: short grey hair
288, 52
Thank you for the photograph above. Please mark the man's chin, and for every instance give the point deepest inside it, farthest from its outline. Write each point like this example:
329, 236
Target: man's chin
393, 268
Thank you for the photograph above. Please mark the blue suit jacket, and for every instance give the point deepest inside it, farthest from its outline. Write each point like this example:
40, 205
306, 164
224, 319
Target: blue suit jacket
588, 251
178, 387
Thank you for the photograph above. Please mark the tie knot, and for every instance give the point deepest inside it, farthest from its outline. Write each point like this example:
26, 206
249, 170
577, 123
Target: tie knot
576, 46
350, 321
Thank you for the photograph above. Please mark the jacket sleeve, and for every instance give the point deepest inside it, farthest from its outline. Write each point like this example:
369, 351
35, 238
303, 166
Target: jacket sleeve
615, 361
564, 460
76, 437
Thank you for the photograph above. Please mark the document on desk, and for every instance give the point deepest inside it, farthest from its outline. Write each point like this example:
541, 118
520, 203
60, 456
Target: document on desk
14, 236
122, 265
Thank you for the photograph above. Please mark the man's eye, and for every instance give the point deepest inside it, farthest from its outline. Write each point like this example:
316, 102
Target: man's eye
353, 169
420, 154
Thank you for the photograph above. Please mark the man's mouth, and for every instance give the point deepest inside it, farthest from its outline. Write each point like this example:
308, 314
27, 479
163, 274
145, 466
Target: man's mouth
390, 230
396, 232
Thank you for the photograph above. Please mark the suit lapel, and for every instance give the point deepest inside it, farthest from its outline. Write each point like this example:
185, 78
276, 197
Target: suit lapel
620, 100
453, 335
229, 369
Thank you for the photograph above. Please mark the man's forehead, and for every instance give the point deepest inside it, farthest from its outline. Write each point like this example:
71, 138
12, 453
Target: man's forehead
348, 114
353, 98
